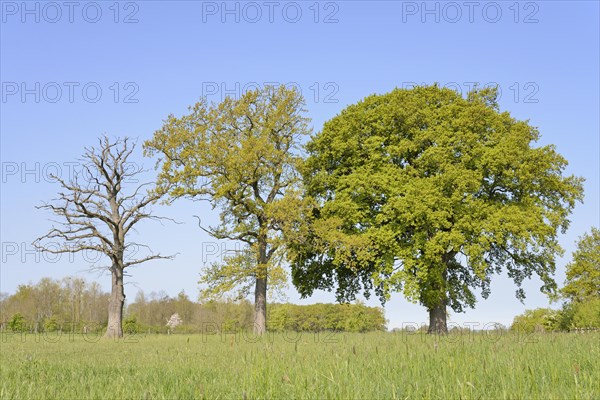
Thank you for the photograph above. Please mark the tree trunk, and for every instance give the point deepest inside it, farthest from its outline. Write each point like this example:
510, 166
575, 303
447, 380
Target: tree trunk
260, 306
115, 306
260, 292
437, 319
437, 309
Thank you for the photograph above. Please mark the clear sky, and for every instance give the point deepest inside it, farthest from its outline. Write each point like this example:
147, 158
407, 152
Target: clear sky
71, 71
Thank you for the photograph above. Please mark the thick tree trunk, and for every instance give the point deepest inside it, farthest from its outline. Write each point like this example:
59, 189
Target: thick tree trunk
260, 292
437, 309
260, 307
115, 306
437, 319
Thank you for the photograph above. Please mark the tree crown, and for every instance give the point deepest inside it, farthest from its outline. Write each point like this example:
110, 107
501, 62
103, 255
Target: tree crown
430, 193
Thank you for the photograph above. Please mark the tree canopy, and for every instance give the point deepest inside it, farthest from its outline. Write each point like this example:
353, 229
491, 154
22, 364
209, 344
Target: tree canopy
430, 193
583, 272
241, 155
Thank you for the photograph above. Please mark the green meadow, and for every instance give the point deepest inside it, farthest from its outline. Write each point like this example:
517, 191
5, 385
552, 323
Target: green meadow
493, 365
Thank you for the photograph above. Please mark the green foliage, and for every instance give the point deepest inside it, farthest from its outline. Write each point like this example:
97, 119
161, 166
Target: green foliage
71, 302
586, 314
428, 193
51, 324
583, 273
235, 316
240, 155
17, 323
538, 320
582, 286
235, 275
575, 315
565, 317
130, 325
326, 317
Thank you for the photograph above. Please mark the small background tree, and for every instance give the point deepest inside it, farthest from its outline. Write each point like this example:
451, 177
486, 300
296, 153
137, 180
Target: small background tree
130, 325
174, 322
51, 324
17, 323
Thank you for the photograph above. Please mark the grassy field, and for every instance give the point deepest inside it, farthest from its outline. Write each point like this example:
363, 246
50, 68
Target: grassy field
365, 366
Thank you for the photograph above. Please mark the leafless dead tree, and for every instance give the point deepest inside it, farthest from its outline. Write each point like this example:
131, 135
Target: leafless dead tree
95, 214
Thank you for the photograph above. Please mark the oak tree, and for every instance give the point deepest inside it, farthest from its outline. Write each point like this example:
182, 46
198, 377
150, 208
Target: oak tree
429, 193
97, 212
241, 156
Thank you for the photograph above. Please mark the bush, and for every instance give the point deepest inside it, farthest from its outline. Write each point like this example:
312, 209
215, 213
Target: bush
565, 317
130, 325
51, 324
538, 320
17, 323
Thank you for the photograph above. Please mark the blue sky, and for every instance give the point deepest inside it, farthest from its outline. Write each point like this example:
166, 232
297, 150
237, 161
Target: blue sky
72, 72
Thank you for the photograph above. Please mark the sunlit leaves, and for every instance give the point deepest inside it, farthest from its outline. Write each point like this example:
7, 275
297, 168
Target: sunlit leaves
583, 273
241, 155
431, 194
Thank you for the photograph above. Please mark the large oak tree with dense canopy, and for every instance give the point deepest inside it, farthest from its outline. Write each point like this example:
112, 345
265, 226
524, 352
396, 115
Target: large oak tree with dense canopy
241, 156
429, 193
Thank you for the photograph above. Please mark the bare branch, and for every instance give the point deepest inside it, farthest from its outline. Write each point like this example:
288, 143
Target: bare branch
97, 215
148, 258
220, 234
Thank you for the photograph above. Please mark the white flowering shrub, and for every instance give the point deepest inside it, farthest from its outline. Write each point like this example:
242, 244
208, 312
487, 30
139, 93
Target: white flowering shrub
174, 322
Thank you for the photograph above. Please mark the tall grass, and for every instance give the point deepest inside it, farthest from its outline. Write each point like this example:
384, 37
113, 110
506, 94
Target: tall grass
325, 365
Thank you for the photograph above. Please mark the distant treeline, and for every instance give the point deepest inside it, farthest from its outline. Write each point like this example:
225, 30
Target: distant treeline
326, 317
573, 316
69, 304
73, 304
